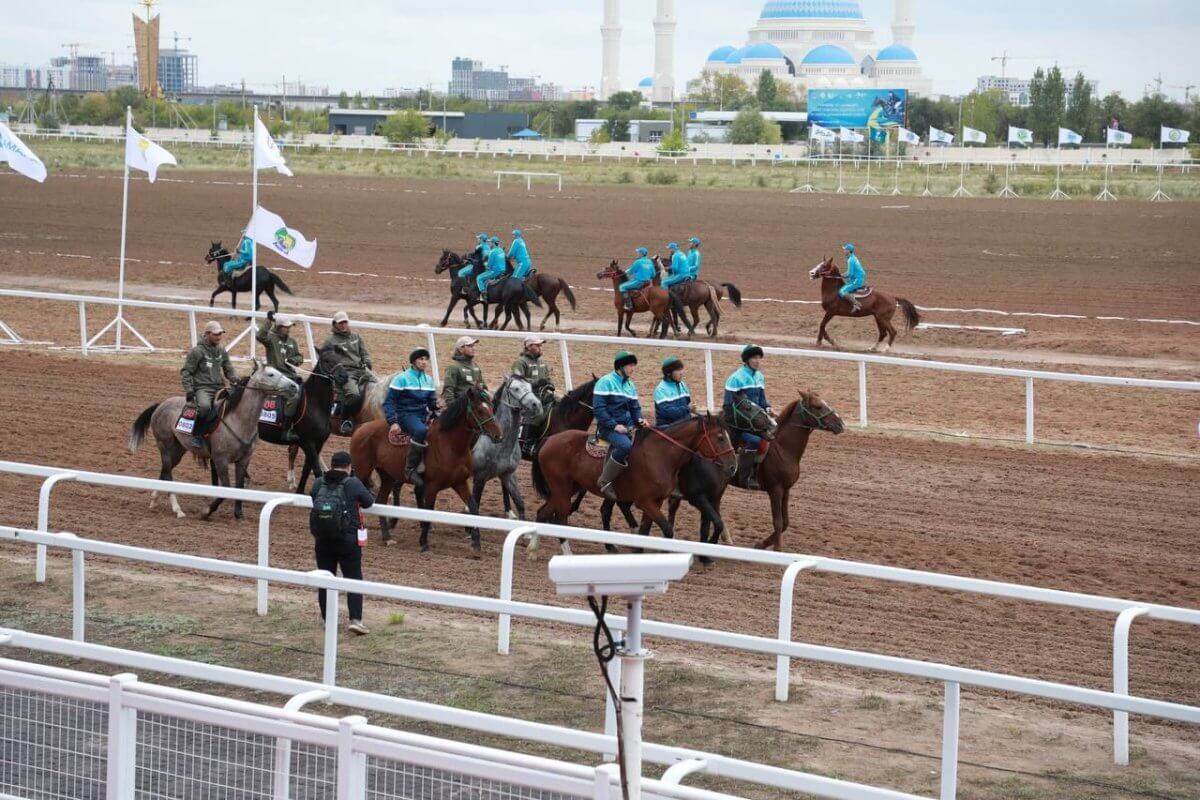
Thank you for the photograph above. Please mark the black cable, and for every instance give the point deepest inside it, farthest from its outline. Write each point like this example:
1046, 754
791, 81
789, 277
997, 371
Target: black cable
605, 653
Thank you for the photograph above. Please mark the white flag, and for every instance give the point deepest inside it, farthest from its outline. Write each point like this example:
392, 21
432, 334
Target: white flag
143, 154
266, 152
972, 135
908, 136
821, 134
20, 157
940, 136
1174, 136
1119, 137
1068, 136
850, 136
1019, 135
269, 230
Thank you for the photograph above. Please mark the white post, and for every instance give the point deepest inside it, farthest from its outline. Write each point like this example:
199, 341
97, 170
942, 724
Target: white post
281, 790
841, 189
568, 381
1121, 682
329, 663
312, 345
431, 346
1029, 411
787, 590
122, 741
78, 593
351, 766
633, 666
43, 521
192, 338
83, 337
708, 377
507, 555
253, 243
124, 223
950, 742
610, 710
862, 394
264, 544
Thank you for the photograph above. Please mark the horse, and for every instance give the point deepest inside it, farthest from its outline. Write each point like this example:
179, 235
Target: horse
313, 425
230, 442
507, 293
459, 286
658, 301
563, 466
696, 294
371, 407
267, 280
448, 461
878, 305
548, 287
703, 486
515, 403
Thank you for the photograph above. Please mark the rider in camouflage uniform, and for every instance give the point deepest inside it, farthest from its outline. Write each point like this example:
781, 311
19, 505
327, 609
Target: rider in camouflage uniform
283, 353
205, 372
530, 367
348, 350
463, 372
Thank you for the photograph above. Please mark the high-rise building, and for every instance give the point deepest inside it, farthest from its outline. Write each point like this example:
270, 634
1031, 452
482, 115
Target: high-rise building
177, 71
469, 79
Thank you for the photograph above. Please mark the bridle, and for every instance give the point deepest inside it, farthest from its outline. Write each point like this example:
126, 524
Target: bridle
705, 439
480, 423
818, 419
751, 418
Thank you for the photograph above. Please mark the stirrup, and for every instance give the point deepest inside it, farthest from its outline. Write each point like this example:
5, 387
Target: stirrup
347, 427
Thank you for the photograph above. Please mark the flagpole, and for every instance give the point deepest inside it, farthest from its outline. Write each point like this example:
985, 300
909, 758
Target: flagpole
841, 189
1159, 195
253, 241
896, 187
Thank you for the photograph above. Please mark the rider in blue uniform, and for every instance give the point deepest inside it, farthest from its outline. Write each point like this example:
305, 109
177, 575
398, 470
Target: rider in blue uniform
243, 258
694, 257
479, 254
678, 270
856, 278
747, 382
518, 253
618, 412
411, 399
496, 264
672, 399
640, 274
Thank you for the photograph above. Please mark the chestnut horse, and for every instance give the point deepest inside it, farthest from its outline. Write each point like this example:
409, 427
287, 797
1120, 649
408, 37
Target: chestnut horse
548, 288
655, 299
447, 461
878, 305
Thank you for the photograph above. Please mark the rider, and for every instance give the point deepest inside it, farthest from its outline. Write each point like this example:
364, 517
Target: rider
694, 257
496, 264
639, 275
530, 367
350, 352
856, 278
519, 253
478, 257
672, 399
243, 258
463, 372
618, 412
205, 371
283, 353
679, 270
747, 383
411, 400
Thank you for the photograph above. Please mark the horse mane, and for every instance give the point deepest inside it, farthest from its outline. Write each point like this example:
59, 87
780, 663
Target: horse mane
572, 399
235, 395
456, 412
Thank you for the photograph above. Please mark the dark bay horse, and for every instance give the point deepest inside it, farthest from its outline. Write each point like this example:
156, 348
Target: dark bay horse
267, 280
458, 286
508, 294
313, 426
654, 299
448, 462
878, 305
698, 294
548, 287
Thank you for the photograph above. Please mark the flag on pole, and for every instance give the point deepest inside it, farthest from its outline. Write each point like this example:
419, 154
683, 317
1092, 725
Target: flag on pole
1020, 136
847, 135
905, 135
1116, 136
1068, 136
143, 154
1174, 136
266, 151
940, 136
972, 135
20, 157
269, 230
821, 134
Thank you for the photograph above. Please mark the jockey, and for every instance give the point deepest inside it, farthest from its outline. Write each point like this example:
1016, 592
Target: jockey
205, 372
243, 258
349, 351
639, 275
694, 257
463, 372
747, 382
411, 400
496, 264
519, 253
618, 412
283, 353
680, 271
478, 256
856, 278
672, 400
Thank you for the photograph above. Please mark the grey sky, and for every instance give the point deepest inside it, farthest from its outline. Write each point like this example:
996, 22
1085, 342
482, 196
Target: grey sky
373, 44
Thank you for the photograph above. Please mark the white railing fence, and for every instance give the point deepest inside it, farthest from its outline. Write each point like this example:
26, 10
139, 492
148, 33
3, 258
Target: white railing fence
712, 388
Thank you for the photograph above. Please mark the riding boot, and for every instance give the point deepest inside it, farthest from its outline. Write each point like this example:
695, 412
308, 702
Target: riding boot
748, 461
628, 301
198, 442
855, 306
415, 465
608, 477
289, 434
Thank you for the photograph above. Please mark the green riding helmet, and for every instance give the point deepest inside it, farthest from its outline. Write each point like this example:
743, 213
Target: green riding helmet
750, 351
624, 358
670, 364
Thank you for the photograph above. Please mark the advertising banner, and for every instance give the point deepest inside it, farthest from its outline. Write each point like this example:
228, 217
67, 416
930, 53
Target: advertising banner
875, 109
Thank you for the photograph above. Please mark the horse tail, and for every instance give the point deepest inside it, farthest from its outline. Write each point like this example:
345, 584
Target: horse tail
735, 294
539, 480
912, 318
279, 282
566, 290
138, 431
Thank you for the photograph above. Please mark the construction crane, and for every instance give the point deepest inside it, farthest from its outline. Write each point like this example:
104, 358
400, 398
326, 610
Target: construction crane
1187, 91
73, 49
177, 37
1005, 58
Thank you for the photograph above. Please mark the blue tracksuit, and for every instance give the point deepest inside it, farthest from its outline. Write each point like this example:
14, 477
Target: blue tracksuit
695, 258
519, 254
482, 249
672, 402
615, 402
747, 383
856, 276
411, 397
679, 271
640, 273
496, 264
244, 257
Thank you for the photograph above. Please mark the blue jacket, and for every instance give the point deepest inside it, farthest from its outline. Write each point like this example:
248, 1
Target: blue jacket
410, 392
695, 257
679, 264
485, 249
615, 402
519, 253
495, 262
747, 383
672, 402
855, 274
642, 271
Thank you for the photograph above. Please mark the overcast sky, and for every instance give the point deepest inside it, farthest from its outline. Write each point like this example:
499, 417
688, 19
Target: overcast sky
373, 44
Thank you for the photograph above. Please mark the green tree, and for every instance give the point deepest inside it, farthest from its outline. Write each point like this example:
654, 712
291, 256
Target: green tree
981, 111
1078, 116
1148, 114
1113, 106
1047, 97
925, 113
749, 127
672, 143
726, 92
767, 91
343, 100
600, 136
403, 127
624, 101
95, 109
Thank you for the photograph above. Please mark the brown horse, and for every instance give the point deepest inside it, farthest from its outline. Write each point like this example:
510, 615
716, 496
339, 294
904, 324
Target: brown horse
697, 294
447, 461
877, 304
563, 466
548, 288
655, 299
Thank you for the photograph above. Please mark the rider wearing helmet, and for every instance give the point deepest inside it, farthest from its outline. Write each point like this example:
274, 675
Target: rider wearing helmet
678, 270
640, 274
411, 400
672, 399
496, 264
856, 278
518, 253
478, 257
618, 412
243, 258
694, 257
747, 383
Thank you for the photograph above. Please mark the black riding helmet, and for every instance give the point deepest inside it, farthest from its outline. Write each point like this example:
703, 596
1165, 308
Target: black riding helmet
420, 352
669, 365
624, 358
750, 351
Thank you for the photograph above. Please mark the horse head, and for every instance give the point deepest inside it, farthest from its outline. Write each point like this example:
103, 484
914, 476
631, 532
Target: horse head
449, 259
825, 269
746, 415
715, 444
519, 394
613, 272
216, 252
812, 412
483, 419
271, 380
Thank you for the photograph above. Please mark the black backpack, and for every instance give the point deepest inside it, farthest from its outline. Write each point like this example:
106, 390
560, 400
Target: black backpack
328, 516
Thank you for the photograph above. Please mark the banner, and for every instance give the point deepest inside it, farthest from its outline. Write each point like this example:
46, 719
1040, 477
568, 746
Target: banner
908, 137
1068, 136
847, 135
972, 135
858, 108
269, 230
1119, 137
1174, 136
143, 154
1020, 136
940, 136
266, 152
821, 134
20, 157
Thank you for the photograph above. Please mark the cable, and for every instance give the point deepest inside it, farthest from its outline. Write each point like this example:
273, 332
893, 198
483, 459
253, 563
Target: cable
605, 653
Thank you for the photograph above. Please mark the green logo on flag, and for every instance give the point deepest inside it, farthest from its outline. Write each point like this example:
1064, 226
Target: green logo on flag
284, 241
1174, 135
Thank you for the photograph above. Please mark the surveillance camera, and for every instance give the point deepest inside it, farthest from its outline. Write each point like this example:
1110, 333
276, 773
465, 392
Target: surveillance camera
617, 576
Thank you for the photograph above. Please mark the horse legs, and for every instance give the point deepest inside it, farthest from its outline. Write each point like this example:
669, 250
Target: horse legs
552, 308
513, 490
821, 334
882, 334
312, 463
386, 482
778, 519
233, 298
220, 477
241, 470
291, 474
471, 499
453, 302
270, 290
169, 454
213, 299
425, 499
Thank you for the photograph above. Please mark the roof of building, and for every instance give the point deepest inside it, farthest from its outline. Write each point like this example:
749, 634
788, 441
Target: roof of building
828, 54
721, 53
735, 57
646, 83
763, 51
811, 9
896, 52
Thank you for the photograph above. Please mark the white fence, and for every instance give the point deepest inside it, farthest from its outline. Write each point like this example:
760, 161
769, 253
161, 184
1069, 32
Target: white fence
564, 339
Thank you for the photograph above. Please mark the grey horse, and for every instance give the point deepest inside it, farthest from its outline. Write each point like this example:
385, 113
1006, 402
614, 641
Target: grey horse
515, 401
231, 441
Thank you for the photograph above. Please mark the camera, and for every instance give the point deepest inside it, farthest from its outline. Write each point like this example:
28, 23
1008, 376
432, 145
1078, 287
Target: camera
617, 575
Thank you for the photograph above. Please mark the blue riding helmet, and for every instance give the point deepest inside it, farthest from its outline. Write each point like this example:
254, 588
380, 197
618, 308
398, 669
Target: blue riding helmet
483, 237
695, 240
495, 240
849, 248
673, 246
516, 234
641, 251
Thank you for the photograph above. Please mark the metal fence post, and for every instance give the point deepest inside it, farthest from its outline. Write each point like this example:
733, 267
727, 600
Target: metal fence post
431, 346
39, 567
192, 328
122, 740
565, 354
507, 555
787, 588
312, 344
610, 710
264, 544
950, 712
1029, 410
351, 766
329, 657
708, 377
78, 593
1121, 682
281, 780
862, 394
83, 337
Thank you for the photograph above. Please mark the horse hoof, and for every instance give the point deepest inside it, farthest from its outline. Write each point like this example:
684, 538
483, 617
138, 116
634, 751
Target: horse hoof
511, 515
424, 548
474, 553
180, 515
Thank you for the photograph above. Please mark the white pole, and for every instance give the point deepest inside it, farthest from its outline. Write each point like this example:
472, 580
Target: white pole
253, 243
124, 223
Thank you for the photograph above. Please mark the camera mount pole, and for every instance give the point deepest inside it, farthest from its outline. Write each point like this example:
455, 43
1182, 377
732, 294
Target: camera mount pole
633, 665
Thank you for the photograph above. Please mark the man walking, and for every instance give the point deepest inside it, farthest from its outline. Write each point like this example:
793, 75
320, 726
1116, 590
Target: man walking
336, 525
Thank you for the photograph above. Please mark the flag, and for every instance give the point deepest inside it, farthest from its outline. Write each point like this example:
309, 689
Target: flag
908, 136
1119, 137
143, 154
1068, 136
266, 152
940, 136
269, 230
847, 135
1019, 135
821, 134
972, 135
20, 157
1174, 136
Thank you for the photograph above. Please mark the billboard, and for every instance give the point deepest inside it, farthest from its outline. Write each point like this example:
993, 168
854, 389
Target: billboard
875, 109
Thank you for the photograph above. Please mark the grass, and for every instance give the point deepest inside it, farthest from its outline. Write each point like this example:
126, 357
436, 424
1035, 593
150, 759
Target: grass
872, 702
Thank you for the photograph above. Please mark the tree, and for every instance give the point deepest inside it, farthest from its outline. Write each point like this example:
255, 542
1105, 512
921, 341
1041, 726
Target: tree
600, 136
767, 91
981, 111
624, 101
1113, 106
403, 127
749, 127
1046, 93
672, 143
1150, 113
727, 92
1079, 111
343, 100
925, 113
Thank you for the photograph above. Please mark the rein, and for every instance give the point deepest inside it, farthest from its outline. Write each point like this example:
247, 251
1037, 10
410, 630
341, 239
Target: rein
704, 438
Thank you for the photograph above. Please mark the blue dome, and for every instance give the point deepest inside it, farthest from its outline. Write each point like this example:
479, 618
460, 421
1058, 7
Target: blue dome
896, 52
811, 9
721, 53
735, 57
763, 50
646, 83
828, 54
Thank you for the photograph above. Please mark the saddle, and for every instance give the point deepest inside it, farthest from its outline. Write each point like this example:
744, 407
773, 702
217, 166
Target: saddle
189, 421
865, 291
596, 447
398, 438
